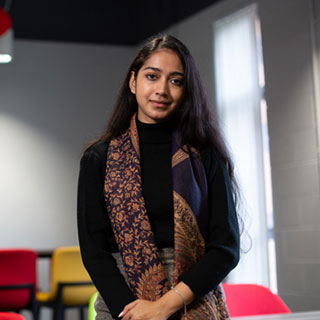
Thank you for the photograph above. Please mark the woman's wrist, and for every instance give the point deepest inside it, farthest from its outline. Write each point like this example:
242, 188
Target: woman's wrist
169, 303
175, 299
182, 298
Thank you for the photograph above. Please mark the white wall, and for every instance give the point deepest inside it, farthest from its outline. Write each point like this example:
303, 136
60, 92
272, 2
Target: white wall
289, 69
53, 97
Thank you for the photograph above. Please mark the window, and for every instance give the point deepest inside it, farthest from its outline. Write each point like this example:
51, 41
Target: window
242, 112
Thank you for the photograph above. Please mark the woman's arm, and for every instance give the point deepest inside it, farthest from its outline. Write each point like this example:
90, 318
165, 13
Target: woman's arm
222, 246
95, 231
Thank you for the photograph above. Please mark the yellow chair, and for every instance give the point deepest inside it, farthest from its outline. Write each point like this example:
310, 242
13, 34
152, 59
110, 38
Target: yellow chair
71, 285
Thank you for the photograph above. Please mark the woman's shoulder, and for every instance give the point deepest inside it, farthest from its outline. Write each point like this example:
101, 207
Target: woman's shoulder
97, 150
208, 153
211, 159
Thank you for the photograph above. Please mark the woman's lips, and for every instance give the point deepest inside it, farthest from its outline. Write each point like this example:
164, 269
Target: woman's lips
158, 103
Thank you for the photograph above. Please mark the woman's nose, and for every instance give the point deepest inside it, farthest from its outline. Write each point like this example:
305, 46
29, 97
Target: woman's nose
162, 87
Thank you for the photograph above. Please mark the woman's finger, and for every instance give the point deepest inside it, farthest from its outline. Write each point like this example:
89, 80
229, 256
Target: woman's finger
127, 308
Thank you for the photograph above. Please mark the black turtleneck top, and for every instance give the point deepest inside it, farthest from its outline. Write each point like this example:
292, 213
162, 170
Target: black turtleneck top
96, 237
155, 149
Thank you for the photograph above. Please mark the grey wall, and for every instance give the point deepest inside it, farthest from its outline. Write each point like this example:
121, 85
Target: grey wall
53, 98
289, 69
287, 41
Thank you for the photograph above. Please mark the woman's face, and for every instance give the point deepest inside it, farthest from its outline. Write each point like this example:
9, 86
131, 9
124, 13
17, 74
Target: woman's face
158, 87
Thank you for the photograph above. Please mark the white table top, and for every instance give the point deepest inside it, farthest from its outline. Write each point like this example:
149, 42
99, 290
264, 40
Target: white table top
309, 315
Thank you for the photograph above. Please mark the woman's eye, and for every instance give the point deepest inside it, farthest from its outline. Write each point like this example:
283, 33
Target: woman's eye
177, 82
151, 76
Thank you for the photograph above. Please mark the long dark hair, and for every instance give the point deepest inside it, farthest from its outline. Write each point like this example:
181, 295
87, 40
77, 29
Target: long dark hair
195, 118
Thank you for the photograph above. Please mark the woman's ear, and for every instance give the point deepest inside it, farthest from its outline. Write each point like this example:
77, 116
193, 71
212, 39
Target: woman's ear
132, 83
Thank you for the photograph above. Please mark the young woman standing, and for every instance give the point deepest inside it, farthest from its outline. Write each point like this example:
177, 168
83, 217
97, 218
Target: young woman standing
157, 223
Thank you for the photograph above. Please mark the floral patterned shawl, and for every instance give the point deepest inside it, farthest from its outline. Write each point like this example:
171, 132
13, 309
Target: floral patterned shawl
132, 230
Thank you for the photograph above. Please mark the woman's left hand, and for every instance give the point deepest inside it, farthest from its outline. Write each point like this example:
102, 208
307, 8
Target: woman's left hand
144, 310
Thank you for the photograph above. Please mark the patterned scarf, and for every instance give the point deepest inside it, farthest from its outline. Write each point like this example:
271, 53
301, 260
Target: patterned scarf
132, 229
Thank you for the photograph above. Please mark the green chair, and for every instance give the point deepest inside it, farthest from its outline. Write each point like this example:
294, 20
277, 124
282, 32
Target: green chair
91, 310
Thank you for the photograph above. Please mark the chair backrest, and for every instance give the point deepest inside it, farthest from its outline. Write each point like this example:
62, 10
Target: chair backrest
17, 266
252, 299
67, 266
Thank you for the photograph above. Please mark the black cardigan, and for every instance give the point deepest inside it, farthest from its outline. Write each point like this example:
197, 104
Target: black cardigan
96, 236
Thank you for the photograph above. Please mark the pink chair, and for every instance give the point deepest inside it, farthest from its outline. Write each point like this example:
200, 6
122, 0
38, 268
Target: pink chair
252, 299
11, 316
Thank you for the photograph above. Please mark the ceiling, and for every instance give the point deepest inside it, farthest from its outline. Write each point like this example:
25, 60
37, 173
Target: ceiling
122, 22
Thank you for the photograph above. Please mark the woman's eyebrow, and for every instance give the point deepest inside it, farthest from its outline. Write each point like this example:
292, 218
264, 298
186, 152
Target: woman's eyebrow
174, 73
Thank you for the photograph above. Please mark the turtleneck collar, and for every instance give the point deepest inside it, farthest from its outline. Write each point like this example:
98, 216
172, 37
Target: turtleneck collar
155, 132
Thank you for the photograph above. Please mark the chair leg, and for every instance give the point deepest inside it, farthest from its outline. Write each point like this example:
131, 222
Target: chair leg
58, 312
59, 307
81, 313
37, 313
34, 304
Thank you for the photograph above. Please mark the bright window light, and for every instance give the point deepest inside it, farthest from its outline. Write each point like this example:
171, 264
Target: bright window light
242, 112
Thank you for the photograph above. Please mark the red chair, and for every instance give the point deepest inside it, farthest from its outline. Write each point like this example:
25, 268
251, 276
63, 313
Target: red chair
11, 316
18, 280
252, 299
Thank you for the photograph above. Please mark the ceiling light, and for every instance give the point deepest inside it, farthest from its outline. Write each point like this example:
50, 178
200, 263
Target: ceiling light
6, 37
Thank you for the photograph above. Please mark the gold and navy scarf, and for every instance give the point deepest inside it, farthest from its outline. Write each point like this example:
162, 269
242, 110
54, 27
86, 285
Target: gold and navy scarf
132, 229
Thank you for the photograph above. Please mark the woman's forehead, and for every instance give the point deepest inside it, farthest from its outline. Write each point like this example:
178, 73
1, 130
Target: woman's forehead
164, 59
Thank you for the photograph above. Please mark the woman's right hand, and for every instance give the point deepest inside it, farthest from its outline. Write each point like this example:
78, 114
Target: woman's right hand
145, 310
160, 309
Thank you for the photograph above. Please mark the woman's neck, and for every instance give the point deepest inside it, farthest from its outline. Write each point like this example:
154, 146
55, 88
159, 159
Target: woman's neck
155, 132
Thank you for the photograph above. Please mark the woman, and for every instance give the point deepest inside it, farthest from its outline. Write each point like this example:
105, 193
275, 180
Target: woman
157, 223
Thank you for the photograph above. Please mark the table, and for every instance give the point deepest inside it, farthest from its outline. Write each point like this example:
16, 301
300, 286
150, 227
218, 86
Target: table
309, 315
